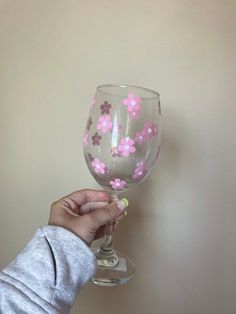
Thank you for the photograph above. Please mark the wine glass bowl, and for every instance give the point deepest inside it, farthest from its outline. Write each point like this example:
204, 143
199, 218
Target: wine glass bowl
121, 144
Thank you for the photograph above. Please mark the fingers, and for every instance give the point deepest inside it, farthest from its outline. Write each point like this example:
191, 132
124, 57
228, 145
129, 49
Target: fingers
108, 213
91, 206
76, 199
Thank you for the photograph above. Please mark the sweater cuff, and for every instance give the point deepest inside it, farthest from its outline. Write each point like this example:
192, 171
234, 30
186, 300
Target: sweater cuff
74, 264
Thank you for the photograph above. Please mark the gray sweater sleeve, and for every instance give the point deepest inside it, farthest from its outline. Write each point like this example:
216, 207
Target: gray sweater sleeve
47, 275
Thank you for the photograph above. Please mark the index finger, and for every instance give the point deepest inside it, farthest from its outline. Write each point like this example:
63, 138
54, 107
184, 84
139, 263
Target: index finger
87, 195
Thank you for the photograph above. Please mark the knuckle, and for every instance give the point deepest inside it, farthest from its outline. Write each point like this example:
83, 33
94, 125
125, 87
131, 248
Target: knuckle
111, 211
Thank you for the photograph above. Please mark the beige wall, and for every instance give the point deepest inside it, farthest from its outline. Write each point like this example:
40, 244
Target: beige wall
180, 230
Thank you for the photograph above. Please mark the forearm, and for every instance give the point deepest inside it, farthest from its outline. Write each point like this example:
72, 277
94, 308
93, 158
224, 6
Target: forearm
48, 274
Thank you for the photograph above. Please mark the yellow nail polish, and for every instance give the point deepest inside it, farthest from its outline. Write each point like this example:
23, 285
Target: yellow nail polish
125, 212
125, 201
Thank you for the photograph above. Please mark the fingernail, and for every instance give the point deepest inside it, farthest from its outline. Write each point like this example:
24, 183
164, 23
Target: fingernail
125, 212
122, 204
117, 222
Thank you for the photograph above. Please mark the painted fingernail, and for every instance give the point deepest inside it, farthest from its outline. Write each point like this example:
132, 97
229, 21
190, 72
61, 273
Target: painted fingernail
122, 204
125, 212
117, 222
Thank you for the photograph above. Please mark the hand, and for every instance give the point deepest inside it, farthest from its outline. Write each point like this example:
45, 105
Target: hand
86, 213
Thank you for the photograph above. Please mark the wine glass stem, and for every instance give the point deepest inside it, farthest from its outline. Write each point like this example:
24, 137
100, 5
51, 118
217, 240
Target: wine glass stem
106, 256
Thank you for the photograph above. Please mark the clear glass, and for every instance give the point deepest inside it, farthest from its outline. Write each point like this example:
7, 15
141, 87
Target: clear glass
121, 144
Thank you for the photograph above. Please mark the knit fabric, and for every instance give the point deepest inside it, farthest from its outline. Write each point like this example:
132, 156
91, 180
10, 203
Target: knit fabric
48, 274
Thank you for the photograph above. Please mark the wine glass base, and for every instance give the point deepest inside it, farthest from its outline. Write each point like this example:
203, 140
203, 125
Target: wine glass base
117, 275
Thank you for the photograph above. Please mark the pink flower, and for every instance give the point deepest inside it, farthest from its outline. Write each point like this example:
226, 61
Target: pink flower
132, 102
90, 157
134, 115
85, 139
140, 170
126, 147
93, 103
118, 184
133, 105
104, 124
96, 138
140, 137
105, 107
89, 123
150, 130
98, 166
115, 152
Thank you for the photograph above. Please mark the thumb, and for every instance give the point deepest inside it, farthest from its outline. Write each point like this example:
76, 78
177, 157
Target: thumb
109, 212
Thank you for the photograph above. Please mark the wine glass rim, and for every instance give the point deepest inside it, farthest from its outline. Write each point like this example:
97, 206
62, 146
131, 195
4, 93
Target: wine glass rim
100, 89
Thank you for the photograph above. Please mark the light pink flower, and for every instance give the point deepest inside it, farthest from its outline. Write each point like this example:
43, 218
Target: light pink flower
150, 130
98, 166
134, 115
115, 152
85, 139
104, 124
118, 184
133, 105
132, 102
140, 170
126, 147
140, 137
93, 103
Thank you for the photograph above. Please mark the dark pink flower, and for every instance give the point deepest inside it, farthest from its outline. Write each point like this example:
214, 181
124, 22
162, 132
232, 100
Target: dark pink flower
90, 157
126, 147
96, 138
89, 123
105, 108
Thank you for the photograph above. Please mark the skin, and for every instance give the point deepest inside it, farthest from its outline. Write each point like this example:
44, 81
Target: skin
86, 212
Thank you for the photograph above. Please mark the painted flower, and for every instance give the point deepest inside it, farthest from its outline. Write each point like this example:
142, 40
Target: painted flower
96, 138
140, 137
140, 170
105, 125
85, 139
132, 102
93, 102
105, 108
150, 130
89, 123
98, 166
126, 147
133, 105
90, 157
118, 184
115, 152
134, 114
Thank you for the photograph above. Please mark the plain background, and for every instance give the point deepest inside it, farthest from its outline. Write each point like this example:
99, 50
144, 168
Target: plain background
181, 226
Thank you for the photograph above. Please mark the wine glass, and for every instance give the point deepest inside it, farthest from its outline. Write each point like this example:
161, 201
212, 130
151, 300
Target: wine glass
121, 144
